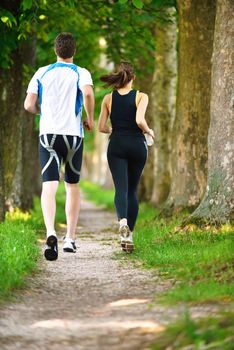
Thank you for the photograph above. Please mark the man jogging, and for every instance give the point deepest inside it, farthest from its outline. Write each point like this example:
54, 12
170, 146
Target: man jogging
61, 87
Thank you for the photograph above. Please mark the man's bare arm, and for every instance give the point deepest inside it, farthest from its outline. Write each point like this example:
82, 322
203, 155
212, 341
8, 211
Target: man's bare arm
88, 96
30, 103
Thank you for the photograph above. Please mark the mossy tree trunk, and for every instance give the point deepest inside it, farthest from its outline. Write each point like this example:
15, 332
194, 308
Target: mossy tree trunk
217, 205
10, 119
147, 180
10, 105
189, 137
2, 185
26, 178
163, 99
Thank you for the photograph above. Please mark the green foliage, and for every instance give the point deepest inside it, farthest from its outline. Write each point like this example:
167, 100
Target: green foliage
127, 26
128, 29
17, 23
7, 18
26, 4
138, 4
207, 333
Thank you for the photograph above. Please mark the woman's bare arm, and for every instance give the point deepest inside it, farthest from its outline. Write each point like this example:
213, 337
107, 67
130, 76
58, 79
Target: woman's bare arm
140, 114
103, 117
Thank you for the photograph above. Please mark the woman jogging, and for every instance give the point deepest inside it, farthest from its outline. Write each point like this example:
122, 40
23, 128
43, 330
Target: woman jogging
127, 149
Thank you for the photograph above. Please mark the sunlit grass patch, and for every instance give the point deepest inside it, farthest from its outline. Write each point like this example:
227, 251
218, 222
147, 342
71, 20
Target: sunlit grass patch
18, 254
204, 291
207, 333
17, 214
200, 260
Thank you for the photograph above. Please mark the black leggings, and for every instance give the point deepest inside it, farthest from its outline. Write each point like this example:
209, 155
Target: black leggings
126, 157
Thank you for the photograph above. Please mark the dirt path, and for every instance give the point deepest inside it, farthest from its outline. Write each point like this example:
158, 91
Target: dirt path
88, 300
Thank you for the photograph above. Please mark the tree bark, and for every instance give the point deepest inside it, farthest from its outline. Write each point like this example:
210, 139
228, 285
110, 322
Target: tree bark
10, 105
163, 103
147, 178
217, 205
2, 183
27, 176
100, 172
189, 139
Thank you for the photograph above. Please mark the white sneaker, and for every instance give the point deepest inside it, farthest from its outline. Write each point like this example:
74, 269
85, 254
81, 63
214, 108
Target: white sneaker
126, 239
124, 231
69, 245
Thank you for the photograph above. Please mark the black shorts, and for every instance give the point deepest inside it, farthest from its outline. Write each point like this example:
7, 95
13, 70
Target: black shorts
53, 149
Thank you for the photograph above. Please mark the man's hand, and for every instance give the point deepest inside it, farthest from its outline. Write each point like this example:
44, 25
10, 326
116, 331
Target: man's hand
88, 96
88, 124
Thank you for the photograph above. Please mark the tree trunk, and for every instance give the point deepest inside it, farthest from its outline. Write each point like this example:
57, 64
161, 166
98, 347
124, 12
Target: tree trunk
2, 185
218, 203
30, 177
10, 105
163, 100
100, 173
147, 179
25, 181
189, 139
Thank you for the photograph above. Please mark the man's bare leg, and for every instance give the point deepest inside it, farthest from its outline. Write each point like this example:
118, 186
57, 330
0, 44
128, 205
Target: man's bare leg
48, 204
72, 208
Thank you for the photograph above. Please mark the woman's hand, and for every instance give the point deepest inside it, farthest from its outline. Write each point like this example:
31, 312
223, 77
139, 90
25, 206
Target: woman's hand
151, 133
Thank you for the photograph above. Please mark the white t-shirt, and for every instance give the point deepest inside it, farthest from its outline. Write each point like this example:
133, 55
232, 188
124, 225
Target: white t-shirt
59, 87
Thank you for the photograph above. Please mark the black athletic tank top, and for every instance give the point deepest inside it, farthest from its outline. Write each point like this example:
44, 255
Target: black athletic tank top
123, 114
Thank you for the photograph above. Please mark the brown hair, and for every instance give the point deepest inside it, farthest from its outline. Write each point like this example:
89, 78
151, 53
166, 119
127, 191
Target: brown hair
119, 79
65, 45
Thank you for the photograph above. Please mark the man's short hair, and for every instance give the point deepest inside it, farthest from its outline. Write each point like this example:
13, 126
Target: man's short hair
65, 45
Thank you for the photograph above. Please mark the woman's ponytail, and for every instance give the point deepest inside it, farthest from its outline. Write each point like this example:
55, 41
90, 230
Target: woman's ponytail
119, 79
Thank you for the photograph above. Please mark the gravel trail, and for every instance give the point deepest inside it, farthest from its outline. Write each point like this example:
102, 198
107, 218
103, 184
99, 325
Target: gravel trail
89, 300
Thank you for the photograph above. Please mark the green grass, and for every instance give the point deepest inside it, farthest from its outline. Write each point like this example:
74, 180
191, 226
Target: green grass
19, 251
98, 195
207, 333
201, 261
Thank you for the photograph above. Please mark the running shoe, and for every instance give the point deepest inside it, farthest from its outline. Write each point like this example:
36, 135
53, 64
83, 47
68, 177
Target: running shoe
69, 245
124, 231
127, 245
51, 248
126, 239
